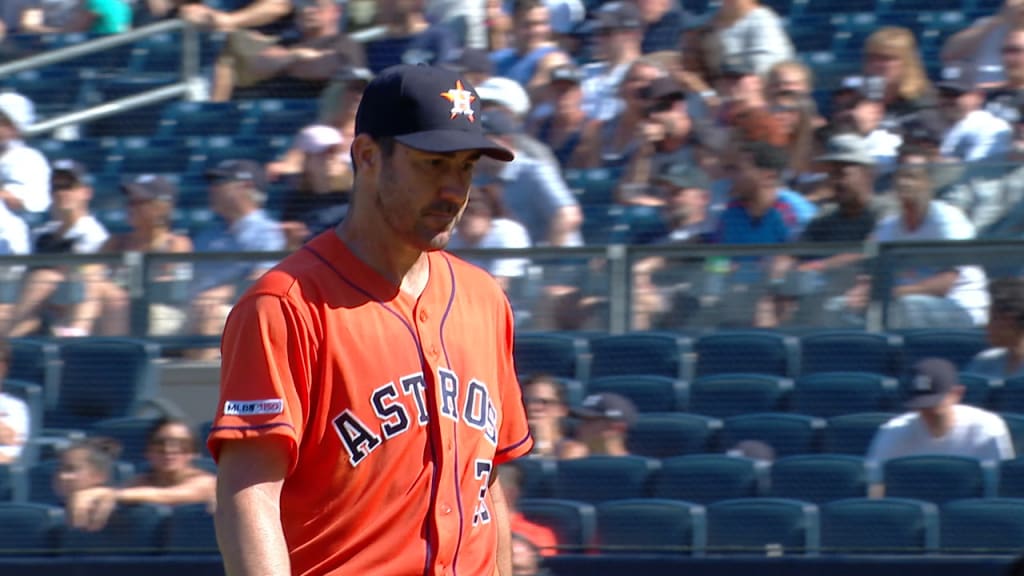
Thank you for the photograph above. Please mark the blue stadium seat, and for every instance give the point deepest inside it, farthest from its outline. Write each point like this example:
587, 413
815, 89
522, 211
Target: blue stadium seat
663, 435
594, 187
725, 395
655, 353
215, 149
103, 378
1015, 423
787, 434
853, 433
278, 117
759, 525
113, 60
29, 529
650, 525
648, 393
850, 351
141, 155
573, 522
601, 478
936, 479
957, 346
190, 531
52, 90
201, 119
557, 354
1011, 478
140, 121
828, 394
36, 361
879, 526
90, 152
747, 352
983, 526
980, 390
32, 394
706, 478
130, 432
537, 477
8, 478
1010, 397
818, 478
602, 225
139, 529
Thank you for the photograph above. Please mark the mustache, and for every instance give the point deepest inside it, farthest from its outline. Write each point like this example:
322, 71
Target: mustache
443, 208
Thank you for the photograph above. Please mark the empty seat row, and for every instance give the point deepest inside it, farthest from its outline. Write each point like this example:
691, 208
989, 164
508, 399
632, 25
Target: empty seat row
775, 526
685, 357
817, 478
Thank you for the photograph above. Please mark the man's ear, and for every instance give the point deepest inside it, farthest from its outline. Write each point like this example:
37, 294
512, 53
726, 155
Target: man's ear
366, 154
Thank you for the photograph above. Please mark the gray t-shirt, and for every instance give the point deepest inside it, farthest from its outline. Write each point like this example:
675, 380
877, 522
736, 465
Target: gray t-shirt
992, 362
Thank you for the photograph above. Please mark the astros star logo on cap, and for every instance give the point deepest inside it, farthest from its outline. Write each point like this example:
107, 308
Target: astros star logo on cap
461, 100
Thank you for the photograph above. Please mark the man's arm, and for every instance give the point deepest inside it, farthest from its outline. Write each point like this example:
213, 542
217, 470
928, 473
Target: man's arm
964, 45
250, 475
939, 285
502, 522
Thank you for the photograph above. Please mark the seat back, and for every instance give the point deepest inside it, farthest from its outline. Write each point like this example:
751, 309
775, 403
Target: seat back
600, 478
725, 395
1011, 478
139, 529
573, 522
36, 361
879, 526
850, 351
561, 355
29, 529
983, 526
787, 434
853, 433
663, 435
648, 393
651, 525
654, 353
1010, 398
828, 394
936, 479
980, 390
747, 352
957, 346
190, 530
760, 525
818, 478
706, 478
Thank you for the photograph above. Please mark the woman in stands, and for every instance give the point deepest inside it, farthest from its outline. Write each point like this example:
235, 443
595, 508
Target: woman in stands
546, 410
892, 54
173, 479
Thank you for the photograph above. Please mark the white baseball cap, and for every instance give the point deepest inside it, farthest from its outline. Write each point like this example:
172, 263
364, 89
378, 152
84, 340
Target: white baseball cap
317, 138
18, 109
505, 92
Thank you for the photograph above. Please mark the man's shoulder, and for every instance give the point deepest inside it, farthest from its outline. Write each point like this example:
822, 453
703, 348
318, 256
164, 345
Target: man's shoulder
900, 423
978, 417
470, 278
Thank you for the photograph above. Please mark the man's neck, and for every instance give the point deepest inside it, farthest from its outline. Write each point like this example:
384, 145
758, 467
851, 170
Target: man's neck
628, 53
612, 447
941, 426
405, 267
69, 219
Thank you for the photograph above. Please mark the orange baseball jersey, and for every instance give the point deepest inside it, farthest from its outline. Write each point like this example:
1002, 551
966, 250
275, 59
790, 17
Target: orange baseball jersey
396, 409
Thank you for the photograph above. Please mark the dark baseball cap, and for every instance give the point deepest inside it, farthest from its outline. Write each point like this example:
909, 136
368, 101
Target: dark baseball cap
472, 60
427, 108
150, 187
684, 176
236, 170
736, 66
958, 78
664, 88
566, 73
68, 169
618, 16
931, 380
864, 87
607, 405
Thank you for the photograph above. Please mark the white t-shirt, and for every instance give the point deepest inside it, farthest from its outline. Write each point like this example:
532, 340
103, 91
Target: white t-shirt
87, 235
25, 173
14, 414
759, 38
980, 136
503, 233
976, 433
941, 222
14, 237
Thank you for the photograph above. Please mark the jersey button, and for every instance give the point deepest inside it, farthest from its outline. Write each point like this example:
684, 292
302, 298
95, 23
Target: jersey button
424, 315
434, 351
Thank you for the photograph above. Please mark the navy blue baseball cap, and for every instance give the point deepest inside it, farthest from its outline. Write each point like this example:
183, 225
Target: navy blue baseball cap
427, 108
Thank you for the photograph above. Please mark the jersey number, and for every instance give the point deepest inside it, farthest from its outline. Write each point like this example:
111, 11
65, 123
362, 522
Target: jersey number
483, 473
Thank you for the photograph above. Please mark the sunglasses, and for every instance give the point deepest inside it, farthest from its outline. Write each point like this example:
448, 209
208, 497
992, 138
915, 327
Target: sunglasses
542, 401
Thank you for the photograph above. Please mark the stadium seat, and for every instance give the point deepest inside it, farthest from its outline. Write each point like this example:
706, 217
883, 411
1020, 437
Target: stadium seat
663, 435
787, 434
937, 479
650, 525
853, 433
980, 390
139, 529
1009, 397
278, 117
36, 361
573, 522
828, 394
200, 119
602, 225
8, 479
706, 478
141, 155
140, 121
879, 526
818, 478
1015, 423
760, 525
957, 346
654, 353
215, 149
130, 432
29, 529
648, 393
113, 60
850, 351
557, 354
89, 152
537, 477
594, 187
983, 526
1011, 478
190, 531
52, 90
103, 378
747, 352
725, 395
601, 478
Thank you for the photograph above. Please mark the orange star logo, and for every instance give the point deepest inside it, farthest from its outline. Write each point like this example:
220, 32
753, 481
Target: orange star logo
461, 100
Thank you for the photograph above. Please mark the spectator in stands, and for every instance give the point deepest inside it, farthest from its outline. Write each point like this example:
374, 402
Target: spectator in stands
540, 537
570, 134
508, 96
993, 196
73, 229
14, 416
937, 424
982, 41
891, 53
927, 296
1005, 331
24, 171
526, 558
859, 107
619, 30
85, 464
1003, 99
685, 196
236, 195
664, 23
467, 20
796, 114
320, 197
741, 91
267, 17
474, 64
150, 200
787, 77
620, 136
99, 17
44, 17
603, 429
546, 409
172, 479
749, 30
409, 37
665, 139
305, 64
975, 134
484, 224
534, 52
857, 209
534, 193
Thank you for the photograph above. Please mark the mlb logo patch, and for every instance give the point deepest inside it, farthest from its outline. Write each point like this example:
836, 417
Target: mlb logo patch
253, 407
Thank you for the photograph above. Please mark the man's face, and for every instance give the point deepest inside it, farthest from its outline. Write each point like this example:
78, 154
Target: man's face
1013, 58
913, 184
956, 105
566, 96
318, 16
672, 116
852, 183
682, 203
533, 26
68, 195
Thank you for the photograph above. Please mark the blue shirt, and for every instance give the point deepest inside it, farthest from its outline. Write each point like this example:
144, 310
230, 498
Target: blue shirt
775, 226
434, 45
255, 232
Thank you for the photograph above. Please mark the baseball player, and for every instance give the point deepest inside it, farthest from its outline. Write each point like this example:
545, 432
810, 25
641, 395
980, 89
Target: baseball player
368, 390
